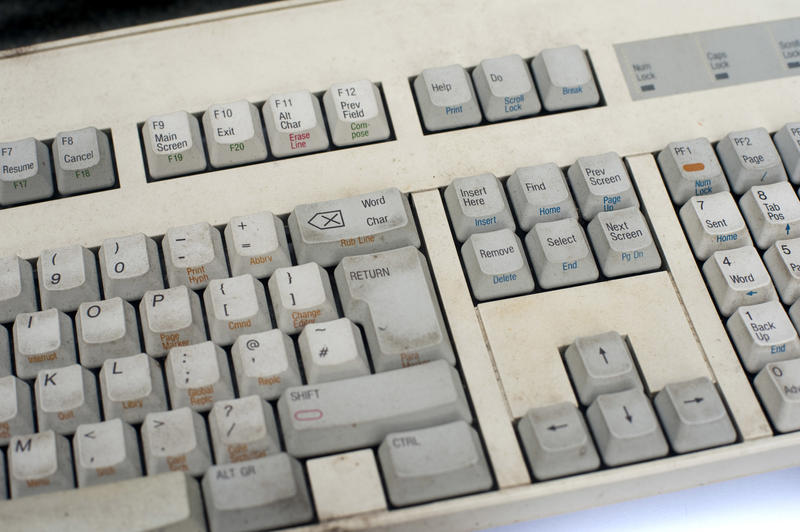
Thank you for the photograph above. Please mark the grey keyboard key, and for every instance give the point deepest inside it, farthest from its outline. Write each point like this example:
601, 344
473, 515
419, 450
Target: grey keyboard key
557, 442
39, 463
623, 243
713, 223
16, 411
625, 428
294, 124
130, 266
243, 429
65, 398
787, 140
737, 277
259, 494
265, 364
750, 158
540, 194
301, 295
772, 212
257, 244
17, 293
391, 295
106, 329
198, 376
601, 364
42, 340
175, 441
496, 265
67, 277
5, 353
106, 452
446, 98
355, 113
505, 88
564, 78
193, 255
601, 184
778, 386
560, 254
477, 204
233, 134
782, 259
170, 318
691, 168
25, 173
693, 416
320, 419
328, 231
173, 145
432, 463
332, 350
82, 161
763, 333
132, 387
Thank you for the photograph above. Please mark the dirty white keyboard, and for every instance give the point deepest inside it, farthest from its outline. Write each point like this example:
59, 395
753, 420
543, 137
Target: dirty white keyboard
394, 265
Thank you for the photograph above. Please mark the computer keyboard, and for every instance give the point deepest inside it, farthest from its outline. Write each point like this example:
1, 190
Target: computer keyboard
397, 265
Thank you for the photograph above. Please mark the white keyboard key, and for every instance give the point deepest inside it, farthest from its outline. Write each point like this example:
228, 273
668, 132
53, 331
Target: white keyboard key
560, 254
787, 140
65, 398
39, 463
170, 318
257, 244
391, 295
496, 265
132, 387
42, 340
67, 277
235, 306
540, 194
772, 212
625, 428
265, 364
233, 134
129, 266
750, 158
16, 412
25, 173
763, 333
601, 364
332, 350
328, 231
355, 113
106, 329
197, 376
505, 88
260, 494
175, 441
691, 168
446, 98
477, 204
301, 295
294, 124
193, 255
432, 463
564, 78
106, 452
601, 184
173, 145
243, 429
693, 416
623, 243
737, 277
82, 161
17, 293
557, 442
320, 418
783, 262
778, 386
713, 223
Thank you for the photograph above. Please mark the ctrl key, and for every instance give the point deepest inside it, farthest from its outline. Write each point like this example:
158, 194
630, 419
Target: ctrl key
265, 493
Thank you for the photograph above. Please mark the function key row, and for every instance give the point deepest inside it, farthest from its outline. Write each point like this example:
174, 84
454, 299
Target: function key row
82, 161
553, 225
446, 96
232, 133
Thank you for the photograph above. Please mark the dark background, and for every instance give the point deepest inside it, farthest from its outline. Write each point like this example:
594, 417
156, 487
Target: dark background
29, 22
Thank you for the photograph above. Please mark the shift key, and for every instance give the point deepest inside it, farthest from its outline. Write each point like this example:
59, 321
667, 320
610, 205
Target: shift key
328, 231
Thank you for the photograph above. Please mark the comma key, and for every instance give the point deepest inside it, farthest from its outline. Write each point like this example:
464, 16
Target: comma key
106, 452
390, 294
